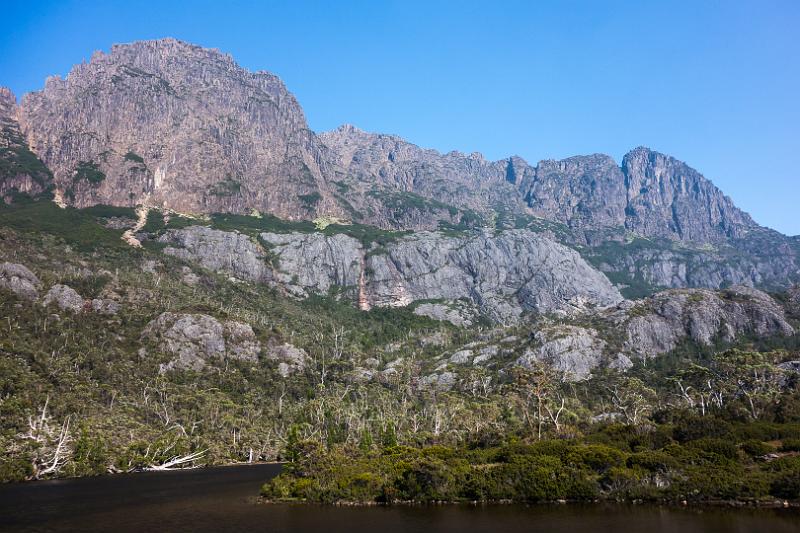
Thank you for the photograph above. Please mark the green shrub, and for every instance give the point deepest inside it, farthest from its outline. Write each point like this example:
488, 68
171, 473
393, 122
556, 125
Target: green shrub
786, 486
718, 447
790, 445
597, 457
756, 448
652, 461
88, 171
133, 156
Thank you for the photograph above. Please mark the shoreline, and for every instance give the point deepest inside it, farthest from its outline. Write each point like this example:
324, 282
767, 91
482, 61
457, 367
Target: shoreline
110, 474
673, 504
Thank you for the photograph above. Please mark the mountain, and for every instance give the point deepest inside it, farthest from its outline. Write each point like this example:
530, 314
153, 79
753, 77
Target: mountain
184, 128
178, 126
213, 282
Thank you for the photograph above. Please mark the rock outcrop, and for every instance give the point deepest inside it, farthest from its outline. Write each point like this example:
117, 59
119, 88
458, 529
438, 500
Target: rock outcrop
458, 313
65, 297
667, 198
194, 339
659, 324
793, 301
502, 274
290, 358
226, 251
386, 172
573, 351
581, 191
760, 260
650, 328
19, 280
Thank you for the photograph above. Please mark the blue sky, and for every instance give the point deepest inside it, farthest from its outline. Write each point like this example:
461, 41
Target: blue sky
716, 84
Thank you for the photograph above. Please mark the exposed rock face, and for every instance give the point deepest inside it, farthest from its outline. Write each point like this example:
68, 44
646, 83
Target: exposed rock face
170, 124
64, 297
196, 338
793, 301
20, 170
572, 350
457, 313
19, 280
582, 191
658, 324
767, 264
175, 125
668, 198
105, 307
393, 164
314, 263
291, 359
442, 382
233, 253
241, 341
503, 274
652, 194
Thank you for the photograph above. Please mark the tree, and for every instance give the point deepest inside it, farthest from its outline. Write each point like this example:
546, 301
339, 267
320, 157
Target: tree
633, 399
51, 443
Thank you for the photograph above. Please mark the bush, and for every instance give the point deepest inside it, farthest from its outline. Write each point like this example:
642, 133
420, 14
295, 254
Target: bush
786, 486
653, 461
756, 448
790, 445
693, 427
718, 447
597, 457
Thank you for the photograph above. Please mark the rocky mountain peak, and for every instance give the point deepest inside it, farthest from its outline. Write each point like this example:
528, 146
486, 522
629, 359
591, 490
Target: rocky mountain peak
180, 126
172, 124
7, 100
668, 198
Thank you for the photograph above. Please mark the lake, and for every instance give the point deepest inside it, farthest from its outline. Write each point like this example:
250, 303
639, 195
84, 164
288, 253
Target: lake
223, 499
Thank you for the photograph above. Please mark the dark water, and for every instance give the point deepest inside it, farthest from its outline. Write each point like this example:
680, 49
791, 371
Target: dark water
222, 499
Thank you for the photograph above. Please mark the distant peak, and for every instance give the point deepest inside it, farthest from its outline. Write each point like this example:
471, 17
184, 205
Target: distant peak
6, 93
7, 98
349, 128
165, 42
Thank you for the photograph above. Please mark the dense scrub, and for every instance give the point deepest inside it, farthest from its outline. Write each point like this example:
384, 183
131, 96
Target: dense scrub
612, 461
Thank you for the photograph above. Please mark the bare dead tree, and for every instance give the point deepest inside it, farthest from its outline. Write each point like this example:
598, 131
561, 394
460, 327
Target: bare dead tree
52, 443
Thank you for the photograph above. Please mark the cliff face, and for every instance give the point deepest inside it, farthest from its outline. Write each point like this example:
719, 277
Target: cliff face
175, 125
582, 191
650, 194
667, 198
502, 275
20, 170
658, 324
388, 162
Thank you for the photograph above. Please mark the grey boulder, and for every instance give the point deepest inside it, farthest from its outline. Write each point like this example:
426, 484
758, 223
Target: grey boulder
19, 280
64, 297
